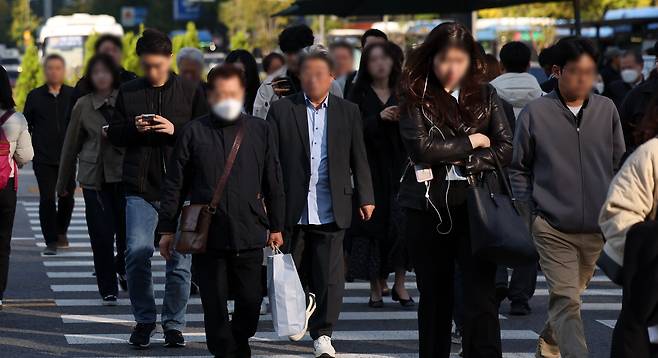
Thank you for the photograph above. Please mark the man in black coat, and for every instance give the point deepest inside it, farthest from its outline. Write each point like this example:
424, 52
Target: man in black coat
237, 232
150, 111
323, 159
46, 109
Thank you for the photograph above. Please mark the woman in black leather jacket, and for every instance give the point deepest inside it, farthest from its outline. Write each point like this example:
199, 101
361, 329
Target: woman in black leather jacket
452, 125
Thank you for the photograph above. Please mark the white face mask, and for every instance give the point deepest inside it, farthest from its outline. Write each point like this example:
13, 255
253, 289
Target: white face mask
228, 109
599, 86
629, 75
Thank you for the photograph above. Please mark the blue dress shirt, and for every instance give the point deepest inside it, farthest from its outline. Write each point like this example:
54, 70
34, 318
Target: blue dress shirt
319, 209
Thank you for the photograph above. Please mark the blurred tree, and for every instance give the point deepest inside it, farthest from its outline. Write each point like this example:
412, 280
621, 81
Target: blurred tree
130, 58
90, 51
239, 40
188, 39
254, 19
23, 20
5, 22
590, 9
31, 76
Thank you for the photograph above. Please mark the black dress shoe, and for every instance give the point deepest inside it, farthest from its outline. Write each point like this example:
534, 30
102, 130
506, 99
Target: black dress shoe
404, 303
375, 304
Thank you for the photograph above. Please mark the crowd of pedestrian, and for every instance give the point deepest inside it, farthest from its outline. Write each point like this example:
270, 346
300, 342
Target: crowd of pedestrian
358, 174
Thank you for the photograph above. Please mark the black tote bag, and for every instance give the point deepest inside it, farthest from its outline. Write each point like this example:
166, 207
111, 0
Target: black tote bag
499, 233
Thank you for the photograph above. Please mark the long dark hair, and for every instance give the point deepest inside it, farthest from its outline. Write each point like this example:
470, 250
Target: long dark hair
364, 79
419, 87
251, 74
107, 62
6, 99
648, 127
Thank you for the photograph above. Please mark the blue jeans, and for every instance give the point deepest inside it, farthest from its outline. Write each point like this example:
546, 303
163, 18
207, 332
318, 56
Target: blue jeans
141, 222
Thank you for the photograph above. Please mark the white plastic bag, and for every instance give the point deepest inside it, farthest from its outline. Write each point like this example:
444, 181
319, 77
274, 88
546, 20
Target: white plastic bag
286, 294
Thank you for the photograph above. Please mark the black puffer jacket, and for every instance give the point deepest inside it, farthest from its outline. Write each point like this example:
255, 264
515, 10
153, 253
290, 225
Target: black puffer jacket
144, 164
426, 146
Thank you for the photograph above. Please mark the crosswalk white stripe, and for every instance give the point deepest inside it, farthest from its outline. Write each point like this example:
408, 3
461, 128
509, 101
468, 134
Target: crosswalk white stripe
198, 317
614, 306
78, 201
22, 239
81, 244
73, 222
89, 274
349, 286
407, 335
33, 214
76, 208
70, 236
56, 263
355, 355
71, 228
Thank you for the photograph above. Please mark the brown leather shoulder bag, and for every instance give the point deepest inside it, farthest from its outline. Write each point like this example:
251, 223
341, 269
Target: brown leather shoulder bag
196, 218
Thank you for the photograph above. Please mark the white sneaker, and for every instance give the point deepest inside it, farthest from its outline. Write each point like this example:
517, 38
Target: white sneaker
322, 348
310, 308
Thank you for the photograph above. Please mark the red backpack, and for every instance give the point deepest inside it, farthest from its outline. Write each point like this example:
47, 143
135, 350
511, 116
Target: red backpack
5, 153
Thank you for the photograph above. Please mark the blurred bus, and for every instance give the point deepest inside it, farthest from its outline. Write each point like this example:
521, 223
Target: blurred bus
66, 35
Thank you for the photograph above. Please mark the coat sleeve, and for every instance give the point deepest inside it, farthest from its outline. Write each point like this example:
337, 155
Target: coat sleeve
500, 136
122, 131
24, 151
263, 99
631, 196
173, 190
359, 161
70, 149
28, 112
520, 170
430, 148
273, 183
618, 143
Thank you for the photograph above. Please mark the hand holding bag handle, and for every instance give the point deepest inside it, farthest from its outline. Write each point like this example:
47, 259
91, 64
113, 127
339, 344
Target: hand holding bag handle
498, 231
196, 218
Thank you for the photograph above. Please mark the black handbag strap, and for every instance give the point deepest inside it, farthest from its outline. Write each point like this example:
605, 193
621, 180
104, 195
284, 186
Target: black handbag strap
228, 166
504, 179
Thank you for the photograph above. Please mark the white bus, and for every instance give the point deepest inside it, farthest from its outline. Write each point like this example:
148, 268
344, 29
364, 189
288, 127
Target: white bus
66, 35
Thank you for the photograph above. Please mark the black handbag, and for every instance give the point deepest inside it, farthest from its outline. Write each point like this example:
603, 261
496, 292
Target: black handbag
499, 232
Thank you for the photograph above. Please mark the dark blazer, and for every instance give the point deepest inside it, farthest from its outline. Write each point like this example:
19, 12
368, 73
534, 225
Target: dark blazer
346, 155
47, 120
195, 167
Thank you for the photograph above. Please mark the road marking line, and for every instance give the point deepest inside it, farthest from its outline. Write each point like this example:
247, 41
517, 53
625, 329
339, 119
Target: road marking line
22, 239
355, 355
73, 222
408, 335
81, 244
71, 228
55, 263
77, 208
198, 317
70, 236
32, 214
600, 307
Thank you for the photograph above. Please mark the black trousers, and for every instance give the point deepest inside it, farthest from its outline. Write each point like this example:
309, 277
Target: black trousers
218, 273
7, 212
521, 286
433, 257
106, 223
318, 254
54, 213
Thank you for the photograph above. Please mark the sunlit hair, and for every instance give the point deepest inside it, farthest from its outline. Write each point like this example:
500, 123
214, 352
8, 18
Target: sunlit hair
435, 101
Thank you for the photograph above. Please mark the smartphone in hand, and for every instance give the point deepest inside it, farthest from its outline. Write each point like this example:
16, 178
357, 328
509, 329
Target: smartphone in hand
149, 118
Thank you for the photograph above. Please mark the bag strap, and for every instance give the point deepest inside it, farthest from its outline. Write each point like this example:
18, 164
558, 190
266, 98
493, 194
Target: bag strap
505, 179
221, 184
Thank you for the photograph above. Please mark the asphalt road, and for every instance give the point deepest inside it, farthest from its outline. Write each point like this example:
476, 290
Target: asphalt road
52, 308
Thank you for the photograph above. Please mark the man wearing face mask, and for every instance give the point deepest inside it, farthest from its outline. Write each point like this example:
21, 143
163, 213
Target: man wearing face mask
631, 65
238, 230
